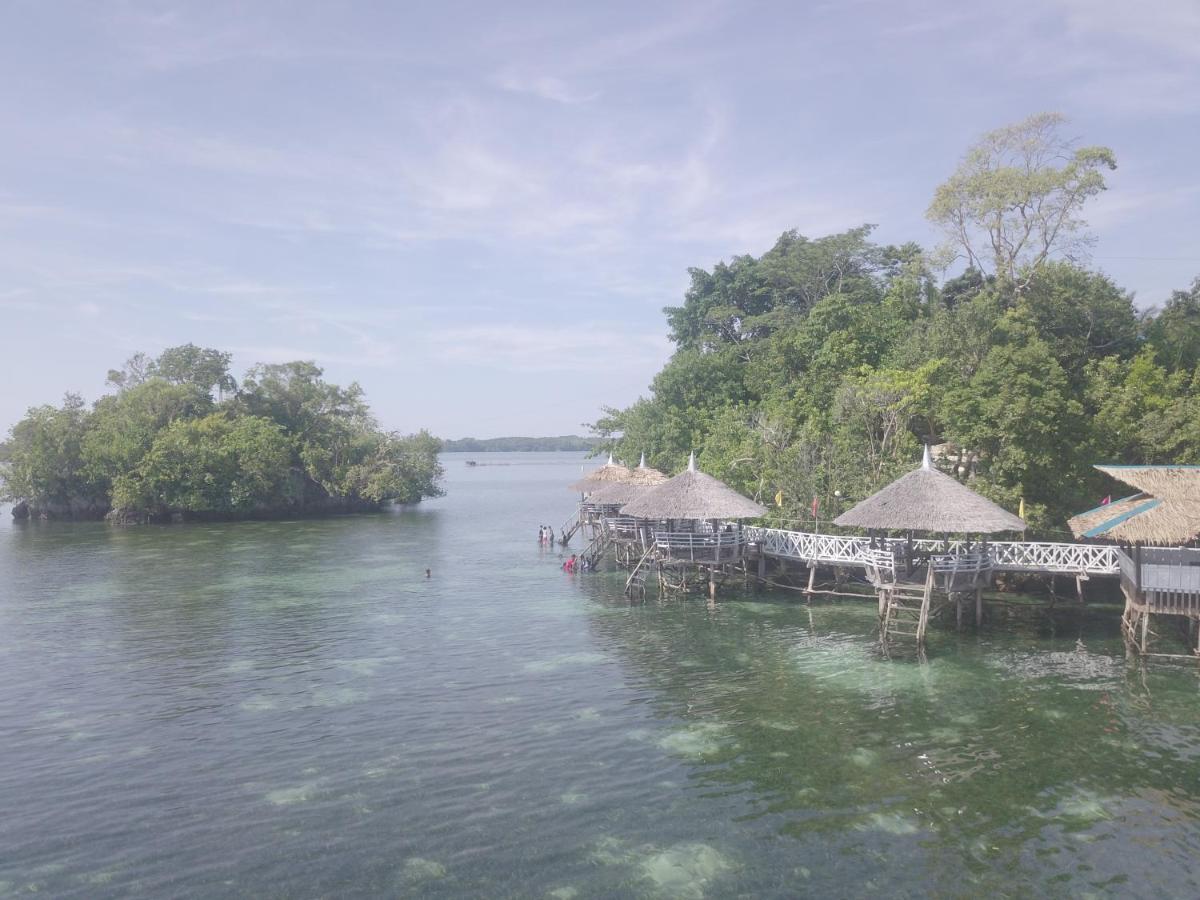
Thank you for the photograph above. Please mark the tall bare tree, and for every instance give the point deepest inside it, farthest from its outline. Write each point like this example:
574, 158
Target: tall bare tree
1016, 197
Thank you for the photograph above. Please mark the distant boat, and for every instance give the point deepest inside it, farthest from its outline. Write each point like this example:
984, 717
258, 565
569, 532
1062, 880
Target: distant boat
471, 462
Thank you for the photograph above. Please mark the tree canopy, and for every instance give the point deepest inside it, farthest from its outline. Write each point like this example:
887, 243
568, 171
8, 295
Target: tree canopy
817, 370
1016, 197
179, 437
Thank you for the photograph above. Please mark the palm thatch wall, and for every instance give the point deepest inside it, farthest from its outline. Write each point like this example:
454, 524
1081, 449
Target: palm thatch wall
930, 501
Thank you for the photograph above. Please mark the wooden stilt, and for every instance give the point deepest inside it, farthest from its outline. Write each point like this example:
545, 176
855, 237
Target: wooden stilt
958, 611
812, 577
978, 607
1145, 629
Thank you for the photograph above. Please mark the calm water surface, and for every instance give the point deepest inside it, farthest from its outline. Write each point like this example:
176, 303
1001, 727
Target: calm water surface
291, 709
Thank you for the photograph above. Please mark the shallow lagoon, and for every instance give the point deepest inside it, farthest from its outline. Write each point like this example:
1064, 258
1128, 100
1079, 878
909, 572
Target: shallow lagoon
291, 709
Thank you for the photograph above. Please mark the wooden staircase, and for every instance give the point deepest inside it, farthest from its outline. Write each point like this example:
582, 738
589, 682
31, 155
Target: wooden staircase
594, 552
906, 611
635, 584
569, 527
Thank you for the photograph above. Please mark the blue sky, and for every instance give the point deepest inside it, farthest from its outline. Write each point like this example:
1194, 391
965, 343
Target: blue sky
478, 210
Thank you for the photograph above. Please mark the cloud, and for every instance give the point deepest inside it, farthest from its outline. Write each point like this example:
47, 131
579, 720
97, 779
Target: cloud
545, 87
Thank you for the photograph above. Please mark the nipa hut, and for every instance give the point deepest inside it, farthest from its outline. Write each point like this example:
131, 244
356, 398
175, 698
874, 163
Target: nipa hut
908, 577
929, 501
693, 496
629, 536
608, 473
695, 530
1163, 579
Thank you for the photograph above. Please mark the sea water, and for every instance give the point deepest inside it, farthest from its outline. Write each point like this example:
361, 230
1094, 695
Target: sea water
292, 709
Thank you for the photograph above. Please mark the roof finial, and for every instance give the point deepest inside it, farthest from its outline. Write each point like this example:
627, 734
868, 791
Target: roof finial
926, 462
642, 464
692, 461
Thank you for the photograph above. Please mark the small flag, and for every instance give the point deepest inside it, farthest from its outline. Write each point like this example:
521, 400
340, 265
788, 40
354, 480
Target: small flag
815, 504
779, 498
1107, 500
1021, 509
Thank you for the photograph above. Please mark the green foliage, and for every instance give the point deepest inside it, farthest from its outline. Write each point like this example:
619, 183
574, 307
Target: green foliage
1175, 332
818, 370
202, 368
286, 442
214, 465
44, 459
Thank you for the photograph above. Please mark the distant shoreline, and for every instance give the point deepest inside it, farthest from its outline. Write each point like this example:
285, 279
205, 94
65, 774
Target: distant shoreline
563, 443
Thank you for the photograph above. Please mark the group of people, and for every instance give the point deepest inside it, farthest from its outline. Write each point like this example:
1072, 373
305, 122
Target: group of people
545, 535
577, 564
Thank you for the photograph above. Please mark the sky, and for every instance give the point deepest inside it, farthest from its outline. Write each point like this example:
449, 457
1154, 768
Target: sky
478, 210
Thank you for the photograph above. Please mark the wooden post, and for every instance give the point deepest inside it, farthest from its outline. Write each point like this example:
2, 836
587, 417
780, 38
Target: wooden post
978, 607
712, 584
812, 576
1137, 570
958, 611
1145, 629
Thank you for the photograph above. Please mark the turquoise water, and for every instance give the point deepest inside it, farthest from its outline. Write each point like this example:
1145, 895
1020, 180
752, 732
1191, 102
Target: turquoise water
291, 709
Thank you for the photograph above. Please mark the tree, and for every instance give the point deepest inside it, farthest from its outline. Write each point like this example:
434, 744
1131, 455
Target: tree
296, 396
1082, 315
1015, 199
160, 445
749, 299
123, 425
202, 367
136, 370
214, 465
1022, 423
43, 462
1175, 331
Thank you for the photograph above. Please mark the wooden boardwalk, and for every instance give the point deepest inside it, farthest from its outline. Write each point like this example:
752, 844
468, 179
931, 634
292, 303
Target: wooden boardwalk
1044, 557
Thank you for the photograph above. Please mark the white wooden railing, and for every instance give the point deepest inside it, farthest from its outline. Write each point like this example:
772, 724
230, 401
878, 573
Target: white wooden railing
1006, 556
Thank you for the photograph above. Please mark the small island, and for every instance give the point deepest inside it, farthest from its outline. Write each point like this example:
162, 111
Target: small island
179, 439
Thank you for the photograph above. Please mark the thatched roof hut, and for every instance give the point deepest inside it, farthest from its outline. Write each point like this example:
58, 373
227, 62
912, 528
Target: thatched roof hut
692, 495
1165, 511
618, 493
931, 501
607, 474
646, 476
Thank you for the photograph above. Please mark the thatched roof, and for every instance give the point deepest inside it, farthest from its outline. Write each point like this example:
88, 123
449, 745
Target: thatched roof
646, 476
1166, 509
606, 474
692, 495
928, 500
617, 493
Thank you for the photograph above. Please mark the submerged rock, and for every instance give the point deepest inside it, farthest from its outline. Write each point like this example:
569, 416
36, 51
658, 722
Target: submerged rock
685, 870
